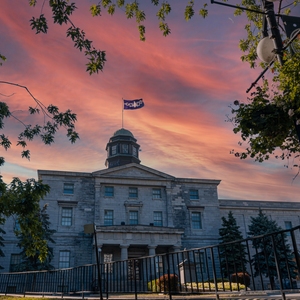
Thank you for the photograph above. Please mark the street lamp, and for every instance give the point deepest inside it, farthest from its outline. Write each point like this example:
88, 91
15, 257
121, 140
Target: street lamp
91, 228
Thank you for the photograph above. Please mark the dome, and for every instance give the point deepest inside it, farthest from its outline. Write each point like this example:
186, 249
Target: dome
123, 132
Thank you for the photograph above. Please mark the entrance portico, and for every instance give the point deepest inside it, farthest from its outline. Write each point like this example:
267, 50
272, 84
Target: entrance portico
126, 241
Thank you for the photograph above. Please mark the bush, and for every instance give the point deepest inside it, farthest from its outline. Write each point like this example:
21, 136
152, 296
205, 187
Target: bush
163, 283
211, 286
152, 286
240, 277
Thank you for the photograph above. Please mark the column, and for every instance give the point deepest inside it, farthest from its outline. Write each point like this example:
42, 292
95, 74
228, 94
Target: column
151, 250
151, 261
124, 252
124, 257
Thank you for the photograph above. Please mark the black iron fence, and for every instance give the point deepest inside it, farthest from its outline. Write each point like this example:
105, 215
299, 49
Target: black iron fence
264, 263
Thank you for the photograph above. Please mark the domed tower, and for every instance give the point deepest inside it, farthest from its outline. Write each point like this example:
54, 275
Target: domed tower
122, 149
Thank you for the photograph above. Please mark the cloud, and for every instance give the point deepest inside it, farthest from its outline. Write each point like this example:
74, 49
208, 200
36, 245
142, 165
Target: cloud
187, 81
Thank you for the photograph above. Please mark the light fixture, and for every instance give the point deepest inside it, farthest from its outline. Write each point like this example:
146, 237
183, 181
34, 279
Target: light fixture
265, 50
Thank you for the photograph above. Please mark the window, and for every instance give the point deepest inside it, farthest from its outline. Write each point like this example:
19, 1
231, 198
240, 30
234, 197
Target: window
159, 264
196, 220
133, 192
17, 225
156, 194
157, 218
200, 265
134, 151
66, 216
114, 150
194, 195
107, 259
124, 148
133, 217
108, 217
15, 259
69, 188
109, 191
288, 225
64, 259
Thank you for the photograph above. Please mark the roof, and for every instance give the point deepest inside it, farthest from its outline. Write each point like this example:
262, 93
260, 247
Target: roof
123, 132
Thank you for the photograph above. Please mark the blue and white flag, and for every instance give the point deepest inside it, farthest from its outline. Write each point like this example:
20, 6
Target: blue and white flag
133, 104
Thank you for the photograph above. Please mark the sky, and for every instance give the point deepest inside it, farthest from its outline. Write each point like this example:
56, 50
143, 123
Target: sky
187, 80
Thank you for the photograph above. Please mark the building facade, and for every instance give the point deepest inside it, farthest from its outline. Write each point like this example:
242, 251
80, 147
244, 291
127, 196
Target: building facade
135, 210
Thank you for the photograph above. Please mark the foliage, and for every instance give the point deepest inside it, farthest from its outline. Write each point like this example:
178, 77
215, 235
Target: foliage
241, 277
45, 132
32, 262
152, 286
207, 286
22, 199
168, 282
1, 244
264, 258
232, 255
270, 120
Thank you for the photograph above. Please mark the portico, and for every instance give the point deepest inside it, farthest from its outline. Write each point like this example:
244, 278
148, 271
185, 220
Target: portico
125, 241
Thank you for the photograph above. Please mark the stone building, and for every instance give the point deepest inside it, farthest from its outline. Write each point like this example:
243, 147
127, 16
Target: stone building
137, 211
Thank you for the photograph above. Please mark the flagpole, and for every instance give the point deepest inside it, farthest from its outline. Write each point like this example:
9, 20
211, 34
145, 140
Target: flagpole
122, 110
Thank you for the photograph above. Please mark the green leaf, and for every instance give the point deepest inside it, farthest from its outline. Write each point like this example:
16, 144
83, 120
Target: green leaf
95, 10
39, 24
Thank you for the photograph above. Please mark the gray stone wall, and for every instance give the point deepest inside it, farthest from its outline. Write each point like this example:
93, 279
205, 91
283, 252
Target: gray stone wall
88, 204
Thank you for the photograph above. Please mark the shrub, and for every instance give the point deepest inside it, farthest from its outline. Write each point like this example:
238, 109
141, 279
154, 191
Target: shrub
211, 286
152, 286
163, 283
242, 278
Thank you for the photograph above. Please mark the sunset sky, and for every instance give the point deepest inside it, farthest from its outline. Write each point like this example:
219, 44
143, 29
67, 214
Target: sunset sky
188, 80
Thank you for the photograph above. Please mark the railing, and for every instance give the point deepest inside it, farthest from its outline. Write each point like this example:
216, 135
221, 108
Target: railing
269, 263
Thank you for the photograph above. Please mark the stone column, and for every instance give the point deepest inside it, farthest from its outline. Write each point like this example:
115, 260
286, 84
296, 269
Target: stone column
124, 252
151, 250
151, 261
124, 257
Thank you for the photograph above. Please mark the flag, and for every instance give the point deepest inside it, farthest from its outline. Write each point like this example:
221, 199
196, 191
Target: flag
133, 104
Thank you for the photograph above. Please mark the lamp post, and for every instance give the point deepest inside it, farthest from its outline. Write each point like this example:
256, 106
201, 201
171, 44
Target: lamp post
275, 33
91, 228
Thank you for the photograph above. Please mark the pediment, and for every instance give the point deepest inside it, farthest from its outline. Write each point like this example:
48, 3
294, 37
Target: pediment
132, 170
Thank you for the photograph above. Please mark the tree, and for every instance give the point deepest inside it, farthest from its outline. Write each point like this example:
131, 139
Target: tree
1, 244
265, 249
270, 120
232, 255
22, 199
33, 262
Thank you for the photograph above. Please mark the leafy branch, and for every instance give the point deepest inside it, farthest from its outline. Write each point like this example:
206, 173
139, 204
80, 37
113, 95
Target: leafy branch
61, 12
46, 132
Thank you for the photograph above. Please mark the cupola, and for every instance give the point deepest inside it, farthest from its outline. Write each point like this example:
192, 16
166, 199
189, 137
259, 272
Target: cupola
122, 149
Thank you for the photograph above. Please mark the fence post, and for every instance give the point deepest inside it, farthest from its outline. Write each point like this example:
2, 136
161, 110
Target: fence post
214, 272
277, 267
169, 279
